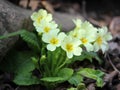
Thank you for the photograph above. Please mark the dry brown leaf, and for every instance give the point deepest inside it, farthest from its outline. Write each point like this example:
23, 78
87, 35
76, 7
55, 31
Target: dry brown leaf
115, 26
118, 87
47, 6
34, 4
97, 23
23, 3
91, 86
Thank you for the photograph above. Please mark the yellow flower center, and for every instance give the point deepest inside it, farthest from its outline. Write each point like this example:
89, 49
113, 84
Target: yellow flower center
77, 28
99, 40
84, 40
69, 47
54, 41
47, 29
75, 35
39, 19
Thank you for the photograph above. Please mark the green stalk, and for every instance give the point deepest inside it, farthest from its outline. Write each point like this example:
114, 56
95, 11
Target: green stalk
55, 58
48, 62
61, 58
53, 63
63, 63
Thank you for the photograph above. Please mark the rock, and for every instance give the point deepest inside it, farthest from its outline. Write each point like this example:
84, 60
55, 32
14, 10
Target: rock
14, 18
11, 20
65, 20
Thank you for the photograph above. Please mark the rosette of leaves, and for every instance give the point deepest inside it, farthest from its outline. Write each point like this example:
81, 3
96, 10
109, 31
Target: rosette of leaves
52, 71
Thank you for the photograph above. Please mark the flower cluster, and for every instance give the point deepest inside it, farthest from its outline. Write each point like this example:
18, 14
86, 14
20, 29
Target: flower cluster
83, 35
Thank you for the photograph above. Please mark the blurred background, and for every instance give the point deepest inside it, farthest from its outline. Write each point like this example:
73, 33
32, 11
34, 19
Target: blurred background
98, 12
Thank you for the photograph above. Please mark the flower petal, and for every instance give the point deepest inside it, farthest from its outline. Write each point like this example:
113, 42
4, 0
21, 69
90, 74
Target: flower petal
51, 47
96, 47
46, 38
77, 51
61, 36
69, 55
104, 47
89, 47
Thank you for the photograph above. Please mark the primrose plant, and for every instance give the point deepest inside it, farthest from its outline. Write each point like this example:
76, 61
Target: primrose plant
62, 47
53, 51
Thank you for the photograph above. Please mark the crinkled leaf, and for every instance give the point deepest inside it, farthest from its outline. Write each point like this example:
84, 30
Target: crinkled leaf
65, 73
72, 88
12, 34
31, 40
52, 79
93, 74
99, 82
21, 65
25, 79
16, 62
89, 56
75, 79
81, 86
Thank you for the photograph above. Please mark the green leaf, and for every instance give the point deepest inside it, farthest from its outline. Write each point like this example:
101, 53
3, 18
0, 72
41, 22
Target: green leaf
32, 40
99, 82
26, 79
75, 79
72, 88
65, 73
16, 62
12, 34
81, 86
21, 65
89, 56
52, 79
93, 74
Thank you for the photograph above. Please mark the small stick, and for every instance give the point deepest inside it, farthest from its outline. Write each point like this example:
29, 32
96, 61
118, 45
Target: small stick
109, 77
112, 64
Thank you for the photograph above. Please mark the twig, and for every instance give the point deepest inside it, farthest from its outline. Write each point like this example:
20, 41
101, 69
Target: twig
109, 77
112, 64
17, 88
3, 86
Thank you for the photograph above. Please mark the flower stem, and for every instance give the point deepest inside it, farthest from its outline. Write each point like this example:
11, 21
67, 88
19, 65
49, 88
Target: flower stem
63, 63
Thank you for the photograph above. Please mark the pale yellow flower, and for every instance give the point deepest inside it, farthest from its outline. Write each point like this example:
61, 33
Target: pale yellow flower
86, 34
101, 39
71, 46
75, 34
46, 27
87, 37
40, 16
53, 39
77, 23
